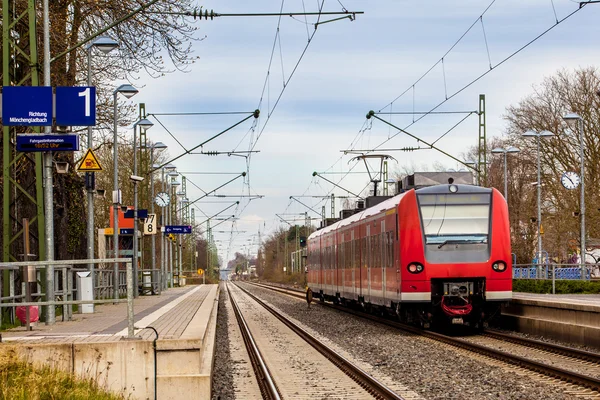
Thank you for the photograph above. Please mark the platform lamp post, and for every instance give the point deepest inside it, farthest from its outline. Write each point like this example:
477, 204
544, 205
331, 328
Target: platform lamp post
576, 118
508, 150
144, 124
164, 215
538, 136
172, 206
155, 146
183, 202
105, 44
128, 91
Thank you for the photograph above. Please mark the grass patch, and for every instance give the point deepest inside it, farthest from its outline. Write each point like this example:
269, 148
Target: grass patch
8, 325
20, 380
544, 286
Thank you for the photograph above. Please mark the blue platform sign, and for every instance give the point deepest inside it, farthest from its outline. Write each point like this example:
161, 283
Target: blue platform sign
178, 229
27, 106
76, 106
142, 213
126, 231
38, 142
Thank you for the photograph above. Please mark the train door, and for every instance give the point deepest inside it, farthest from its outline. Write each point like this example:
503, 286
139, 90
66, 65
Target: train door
339, 272
369, 263
383, 258
322, 263
353, 265
362, 265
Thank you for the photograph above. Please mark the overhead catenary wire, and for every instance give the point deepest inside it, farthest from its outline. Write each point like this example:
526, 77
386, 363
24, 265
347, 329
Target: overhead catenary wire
469, 84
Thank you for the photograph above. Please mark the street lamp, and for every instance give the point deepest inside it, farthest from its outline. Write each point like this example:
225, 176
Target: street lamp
576, 118
500, 150
105, 44
172, 206
128, 91
539, 135
157, 146
184, 201
143, 124
164, 250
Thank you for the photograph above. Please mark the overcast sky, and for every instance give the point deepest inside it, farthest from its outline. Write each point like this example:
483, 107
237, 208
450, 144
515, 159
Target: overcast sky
349, 68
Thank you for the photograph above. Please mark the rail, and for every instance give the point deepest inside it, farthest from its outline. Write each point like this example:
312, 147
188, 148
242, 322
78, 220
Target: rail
369, 383
538, 367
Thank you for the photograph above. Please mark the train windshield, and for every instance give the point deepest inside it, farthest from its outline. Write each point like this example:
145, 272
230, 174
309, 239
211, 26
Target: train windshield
455, 223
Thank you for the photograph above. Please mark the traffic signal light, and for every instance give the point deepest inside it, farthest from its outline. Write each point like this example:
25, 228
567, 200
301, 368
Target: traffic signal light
302, 241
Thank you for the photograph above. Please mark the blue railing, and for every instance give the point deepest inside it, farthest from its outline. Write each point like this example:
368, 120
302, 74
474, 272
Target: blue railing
545, 272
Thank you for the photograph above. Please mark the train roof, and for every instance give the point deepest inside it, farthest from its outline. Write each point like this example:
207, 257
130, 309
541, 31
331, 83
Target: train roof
385, 205
394, 201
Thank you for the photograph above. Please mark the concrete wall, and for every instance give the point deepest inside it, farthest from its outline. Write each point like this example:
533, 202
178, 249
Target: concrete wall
571, 323
125, 367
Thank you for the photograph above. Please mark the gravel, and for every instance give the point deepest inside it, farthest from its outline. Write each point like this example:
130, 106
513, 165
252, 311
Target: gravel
428, 368
222, 377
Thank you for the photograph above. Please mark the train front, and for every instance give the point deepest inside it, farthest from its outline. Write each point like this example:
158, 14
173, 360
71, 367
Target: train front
460, 258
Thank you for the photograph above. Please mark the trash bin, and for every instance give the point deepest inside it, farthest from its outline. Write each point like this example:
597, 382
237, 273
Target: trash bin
146, 282
85, 291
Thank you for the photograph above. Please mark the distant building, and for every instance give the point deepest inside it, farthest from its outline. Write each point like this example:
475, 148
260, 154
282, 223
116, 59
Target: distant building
423, 179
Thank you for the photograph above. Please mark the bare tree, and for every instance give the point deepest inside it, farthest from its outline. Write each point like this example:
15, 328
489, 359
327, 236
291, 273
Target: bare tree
556, 96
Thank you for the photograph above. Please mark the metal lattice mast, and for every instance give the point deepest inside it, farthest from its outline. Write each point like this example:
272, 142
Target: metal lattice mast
482, 162
22, 195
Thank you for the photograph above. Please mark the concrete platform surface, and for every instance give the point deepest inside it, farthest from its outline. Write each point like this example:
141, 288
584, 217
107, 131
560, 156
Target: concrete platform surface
568, 299
92, 345
169, 313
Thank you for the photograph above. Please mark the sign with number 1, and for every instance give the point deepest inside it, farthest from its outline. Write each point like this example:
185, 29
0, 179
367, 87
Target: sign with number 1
150, 225
76, 106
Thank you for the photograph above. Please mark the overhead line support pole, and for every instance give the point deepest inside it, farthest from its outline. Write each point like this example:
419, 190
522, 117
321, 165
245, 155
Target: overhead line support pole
255, 115
310, 208
48, 181
372, 114
335, 184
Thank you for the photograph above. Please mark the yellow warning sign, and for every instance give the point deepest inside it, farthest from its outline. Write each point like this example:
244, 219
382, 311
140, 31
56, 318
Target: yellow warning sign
90, 163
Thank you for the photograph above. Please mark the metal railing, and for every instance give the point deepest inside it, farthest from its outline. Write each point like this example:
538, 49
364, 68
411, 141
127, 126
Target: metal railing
555, 271
65, 290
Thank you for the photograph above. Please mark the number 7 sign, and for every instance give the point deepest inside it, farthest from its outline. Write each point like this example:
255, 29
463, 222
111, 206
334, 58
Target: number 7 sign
76, 106
150, 225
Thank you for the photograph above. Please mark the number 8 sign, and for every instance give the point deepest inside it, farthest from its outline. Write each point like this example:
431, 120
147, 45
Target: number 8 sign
76, 106
150, 225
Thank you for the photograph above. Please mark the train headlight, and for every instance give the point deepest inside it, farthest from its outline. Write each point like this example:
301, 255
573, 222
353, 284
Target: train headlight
499, 266
415, 268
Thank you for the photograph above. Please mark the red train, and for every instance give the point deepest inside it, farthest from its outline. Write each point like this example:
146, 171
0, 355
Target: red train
439, 254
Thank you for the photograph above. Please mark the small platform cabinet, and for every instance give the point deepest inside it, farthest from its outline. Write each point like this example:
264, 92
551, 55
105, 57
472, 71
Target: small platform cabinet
435, 255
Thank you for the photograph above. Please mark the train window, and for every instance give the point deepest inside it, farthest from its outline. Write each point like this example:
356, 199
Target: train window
464, 217
456, 227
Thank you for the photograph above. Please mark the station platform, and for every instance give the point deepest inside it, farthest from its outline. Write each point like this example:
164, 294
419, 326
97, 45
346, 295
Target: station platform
96, 345
569, 318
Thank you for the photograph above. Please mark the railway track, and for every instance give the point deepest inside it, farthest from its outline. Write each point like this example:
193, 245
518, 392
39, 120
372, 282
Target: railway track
273, 388
577, 371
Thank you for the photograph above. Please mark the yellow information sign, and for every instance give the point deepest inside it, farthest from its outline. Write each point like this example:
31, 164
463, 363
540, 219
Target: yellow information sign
200, 272
90, 163
108, 231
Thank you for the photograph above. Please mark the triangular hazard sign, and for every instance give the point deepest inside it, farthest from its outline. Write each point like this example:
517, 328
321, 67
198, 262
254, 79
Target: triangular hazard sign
90, 163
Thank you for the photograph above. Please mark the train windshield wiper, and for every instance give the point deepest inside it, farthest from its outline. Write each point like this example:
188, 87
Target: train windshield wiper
459, 241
